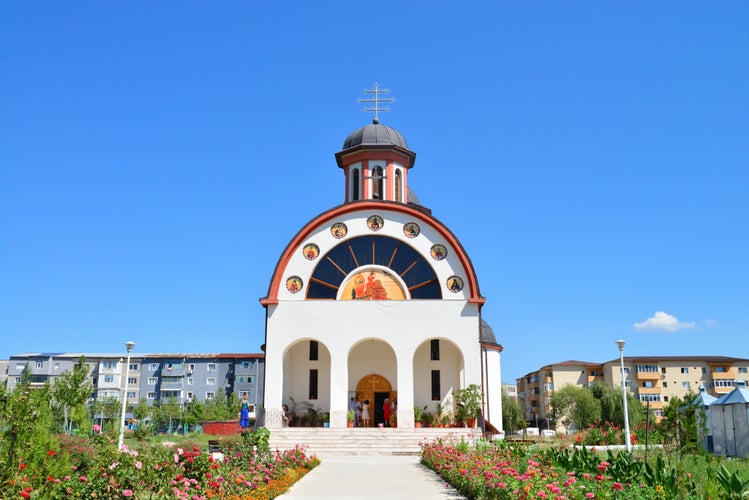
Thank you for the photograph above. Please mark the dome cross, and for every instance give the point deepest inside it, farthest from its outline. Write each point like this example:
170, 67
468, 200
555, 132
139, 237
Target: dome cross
377, 100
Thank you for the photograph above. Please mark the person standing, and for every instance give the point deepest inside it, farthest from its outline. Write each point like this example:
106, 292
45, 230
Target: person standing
386, 411
244, 413
358, 412
365, 413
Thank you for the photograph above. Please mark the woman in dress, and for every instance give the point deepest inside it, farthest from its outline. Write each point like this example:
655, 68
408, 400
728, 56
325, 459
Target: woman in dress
386, 411
244, 413
365, 413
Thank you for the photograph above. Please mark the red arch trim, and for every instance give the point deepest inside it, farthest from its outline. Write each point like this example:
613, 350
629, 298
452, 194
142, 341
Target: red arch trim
334, 213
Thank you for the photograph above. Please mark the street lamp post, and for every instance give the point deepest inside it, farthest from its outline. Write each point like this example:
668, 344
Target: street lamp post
627, 438
129, 346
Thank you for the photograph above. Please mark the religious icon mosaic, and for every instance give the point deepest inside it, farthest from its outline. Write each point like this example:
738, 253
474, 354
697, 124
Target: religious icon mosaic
338, 230
438, 252
455, 283
294, 284
375, 222
411, 229
311, 251
372, 284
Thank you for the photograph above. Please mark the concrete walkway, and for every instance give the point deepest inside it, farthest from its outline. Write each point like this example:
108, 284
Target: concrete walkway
371, 476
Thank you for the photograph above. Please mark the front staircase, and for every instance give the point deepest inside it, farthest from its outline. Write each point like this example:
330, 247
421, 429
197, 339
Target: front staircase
365, 441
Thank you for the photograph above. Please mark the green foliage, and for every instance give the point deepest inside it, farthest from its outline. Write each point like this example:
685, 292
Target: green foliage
167, 413
72, 389
732, 483
576, 403
218, 408
468, 402
512, 414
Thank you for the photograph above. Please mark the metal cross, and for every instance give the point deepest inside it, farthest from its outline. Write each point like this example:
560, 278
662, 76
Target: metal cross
377, 100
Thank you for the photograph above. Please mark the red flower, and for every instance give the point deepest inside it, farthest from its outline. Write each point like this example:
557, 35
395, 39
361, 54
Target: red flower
25, 494
51, 453
617, 486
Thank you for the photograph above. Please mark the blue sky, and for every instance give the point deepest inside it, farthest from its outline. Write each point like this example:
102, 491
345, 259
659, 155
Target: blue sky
156, 158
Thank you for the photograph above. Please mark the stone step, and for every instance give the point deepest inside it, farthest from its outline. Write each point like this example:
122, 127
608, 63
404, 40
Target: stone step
371, 441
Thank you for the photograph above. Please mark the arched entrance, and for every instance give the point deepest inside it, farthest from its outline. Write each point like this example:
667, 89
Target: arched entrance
375, 388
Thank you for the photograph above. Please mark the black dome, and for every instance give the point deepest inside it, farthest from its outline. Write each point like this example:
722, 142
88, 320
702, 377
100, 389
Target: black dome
375, 135
486, 334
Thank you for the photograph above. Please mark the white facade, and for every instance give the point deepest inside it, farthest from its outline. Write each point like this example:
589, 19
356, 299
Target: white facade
376, 298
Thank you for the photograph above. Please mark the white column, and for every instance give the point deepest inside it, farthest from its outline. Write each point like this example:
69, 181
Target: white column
338, 388
405, 388
273, 393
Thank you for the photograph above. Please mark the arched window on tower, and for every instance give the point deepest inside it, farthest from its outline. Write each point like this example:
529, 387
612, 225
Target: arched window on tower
377, 183
355, 185
398, 186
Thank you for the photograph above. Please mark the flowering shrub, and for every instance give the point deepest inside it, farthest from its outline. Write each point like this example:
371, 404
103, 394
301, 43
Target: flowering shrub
93, 468
507, 471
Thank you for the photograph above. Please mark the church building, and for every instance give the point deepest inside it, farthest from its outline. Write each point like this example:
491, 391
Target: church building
376, 298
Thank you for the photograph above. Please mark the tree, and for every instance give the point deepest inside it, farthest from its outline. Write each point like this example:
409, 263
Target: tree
167, 413
512, 414
218, 407
577, 404
71, 390
193, 413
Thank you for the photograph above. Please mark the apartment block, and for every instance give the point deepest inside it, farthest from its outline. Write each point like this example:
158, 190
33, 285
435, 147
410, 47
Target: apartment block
652, 379
150, 376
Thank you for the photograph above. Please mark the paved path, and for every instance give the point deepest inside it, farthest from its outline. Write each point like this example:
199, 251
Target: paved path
371, 476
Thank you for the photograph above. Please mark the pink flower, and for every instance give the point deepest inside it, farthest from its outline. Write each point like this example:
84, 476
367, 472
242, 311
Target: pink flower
127, 493
138, 465
617, 486
603, 466
590, 495
83, 479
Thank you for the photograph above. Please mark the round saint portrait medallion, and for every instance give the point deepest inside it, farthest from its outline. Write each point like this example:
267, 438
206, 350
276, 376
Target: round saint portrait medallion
375, 222
294, 284
455, 283
311, 251
411, 229
438, 252
338, 230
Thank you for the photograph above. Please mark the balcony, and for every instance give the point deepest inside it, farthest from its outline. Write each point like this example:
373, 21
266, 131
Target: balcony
727, 375
648, 390
649, 375
173, 372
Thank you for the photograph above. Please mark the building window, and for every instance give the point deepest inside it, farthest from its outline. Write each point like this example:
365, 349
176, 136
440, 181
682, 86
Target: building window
39, 364
436, 391
685, 370
313, 348
665, 399
647, 369
704, 370
209, 396
210, 381
150, 395
742, 369
626, 370
133, 367
189, 396
131, 395
627, 384
398, 186
724, 383
665, 384
313, 384
153, 367
377, 183
242, 394
355, 183
720, 369
244, 379
57, 366
108, 379
434, 350
132, 380
211, 367
109, 365
189, 381
191, 367
153, 380
648, 383
685, 385
246, 364
653, 398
